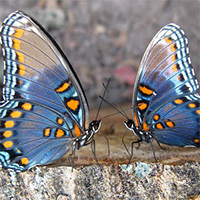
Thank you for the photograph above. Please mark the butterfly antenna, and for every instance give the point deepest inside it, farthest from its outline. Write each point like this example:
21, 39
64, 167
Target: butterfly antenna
103, 98
93, 141
116, 113
120, 110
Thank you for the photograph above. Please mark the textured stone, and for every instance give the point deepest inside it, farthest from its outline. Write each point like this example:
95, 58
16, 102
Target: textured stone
139, 181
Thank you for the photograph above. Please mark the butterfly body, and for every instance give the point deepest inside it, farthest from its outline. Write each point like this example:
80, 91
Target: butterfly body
45, 112
166, 105
138, 131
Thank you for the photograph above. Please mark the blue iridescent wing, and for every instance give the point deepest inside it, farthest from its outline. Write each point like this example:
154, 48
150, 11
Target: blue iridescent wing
32, 134
177, 123
43, 98
165, 98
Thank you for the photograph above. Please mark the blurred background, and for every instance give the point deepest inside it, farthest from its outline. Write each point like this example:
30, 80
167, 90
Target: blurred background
104, 39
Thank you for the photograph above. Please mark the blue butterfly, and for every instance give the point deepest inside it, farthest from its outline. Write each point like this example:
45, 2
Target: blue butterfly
166, 106
45, 112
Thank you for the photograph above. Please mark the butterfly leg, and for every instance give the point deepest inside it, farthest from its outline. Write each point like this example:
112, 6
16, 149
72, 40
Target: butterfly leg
138, 145
138, 141
124, 143
160, 145
107, 143
94, 150
73, 156
154, 154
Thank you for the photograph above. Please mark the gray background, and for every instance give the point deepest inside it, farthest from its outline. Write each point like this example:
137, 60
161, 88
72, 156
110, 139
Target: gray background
105, 39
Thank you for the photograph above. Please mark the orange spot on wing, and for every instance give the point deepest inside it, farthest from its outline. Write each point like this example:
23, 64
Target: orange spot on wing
60, 133
18, 33
179, 77
173, 57
9, 124
20, 82
20, 57
168, 40
16, 44
66, 115
26, 106
16, 114
145, 90
7, 134
145, 126
142, 106
178, 101
196, 140
173, 47
192, 105
60, 121
136, 120
63, 87
159, 126
156, 117
170, 124
198, 112
175, 69
73, 104
47, 132
77, 131
8, 144
21, 70
24, 161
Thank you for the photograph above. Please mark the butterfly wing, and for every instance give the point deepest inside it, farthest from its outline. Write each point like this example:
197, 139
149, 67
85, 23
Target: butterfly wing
177, 123
165, 84
32, 134
37, 75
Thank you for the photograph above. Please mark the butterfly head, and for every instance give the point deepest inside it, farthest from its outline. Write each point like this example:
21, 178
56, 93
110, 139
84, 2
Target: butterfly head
88, 136
143, 135
94, 126
130, 125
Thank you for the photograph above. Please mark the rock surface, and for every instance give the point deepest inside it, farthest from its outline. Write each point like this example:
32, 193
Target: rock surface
140, 180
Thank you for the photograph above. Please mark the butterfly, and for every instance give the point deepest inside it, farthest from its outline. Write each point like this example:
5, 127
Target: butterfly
44, 112
166, 105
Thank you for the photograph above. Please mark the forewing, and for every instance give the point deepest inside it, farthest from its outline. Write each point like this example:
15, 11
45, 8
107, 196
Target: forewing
37, 70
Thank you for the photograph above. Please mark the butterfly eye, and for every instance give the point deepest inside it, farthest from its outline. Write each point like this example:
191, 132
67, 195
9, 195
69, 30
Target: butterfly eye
95, 125
129, 124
